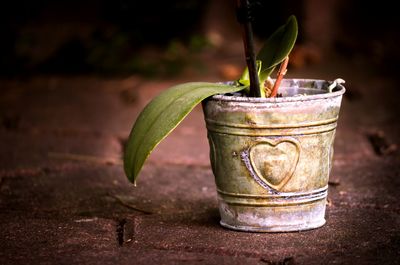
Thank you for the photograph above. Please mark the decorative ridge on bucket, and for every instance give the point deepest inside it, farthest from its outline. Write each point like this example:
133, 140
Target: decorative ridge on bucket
275, 199
271, 157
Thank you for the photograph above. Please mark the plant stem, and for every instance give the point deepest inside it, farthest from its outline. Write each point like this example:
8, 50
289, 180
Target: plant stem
281, 73
248, 41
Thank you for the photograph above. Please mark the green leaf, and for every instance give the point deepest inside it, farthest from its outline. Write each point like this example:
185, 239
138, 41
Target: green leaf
161, 116
245, 78
277, 47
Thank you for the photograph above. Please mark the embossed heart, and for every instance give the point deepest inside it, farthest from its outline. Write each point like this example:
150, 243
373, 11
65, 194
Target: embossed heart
275, 161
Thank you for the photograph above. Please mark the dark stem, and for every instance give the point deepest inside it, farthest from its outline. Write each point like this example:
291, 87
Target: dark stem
243, 16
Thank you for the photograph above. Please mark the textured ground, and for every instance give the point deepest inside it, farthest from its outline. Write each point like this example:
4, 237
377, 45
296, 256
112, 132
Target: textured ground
65, 200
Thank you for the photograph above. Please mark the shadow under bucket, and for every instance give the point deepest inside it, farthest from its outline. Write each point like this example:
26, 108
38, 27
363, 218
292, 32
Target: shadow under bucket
271, 157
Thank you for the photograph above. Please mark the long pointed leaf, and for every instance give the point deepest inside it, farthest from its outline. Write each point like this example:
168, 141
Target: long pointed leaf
277, 47
161, 116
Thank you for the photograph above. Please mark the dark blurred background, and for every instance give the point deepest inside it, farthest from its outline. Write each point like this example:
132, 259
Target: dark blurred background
161, 38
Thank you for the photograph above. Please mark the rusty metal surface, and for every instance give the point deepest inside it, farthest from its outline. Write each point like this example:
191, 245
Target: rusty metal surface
271, 157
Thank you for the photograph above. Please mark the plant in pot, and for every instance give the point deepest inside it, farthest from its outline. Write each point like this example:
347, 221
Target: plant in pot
271, 156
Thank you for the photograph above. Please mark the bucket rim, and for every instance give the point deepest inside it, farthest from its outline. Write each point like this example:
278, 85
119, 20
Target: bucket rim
289, 82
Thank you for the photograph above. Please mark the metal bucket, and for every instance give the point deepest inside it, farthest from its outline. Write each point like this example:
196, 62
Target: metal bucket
271, 157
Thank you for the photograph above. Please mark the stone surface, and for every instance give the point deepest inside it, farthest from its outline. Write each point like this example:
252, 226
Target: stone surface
64, 198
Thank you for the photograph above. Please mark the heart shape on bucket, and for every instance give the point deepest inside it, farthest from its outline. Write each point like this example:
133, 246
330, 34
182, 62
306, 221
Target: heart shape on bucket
274, 161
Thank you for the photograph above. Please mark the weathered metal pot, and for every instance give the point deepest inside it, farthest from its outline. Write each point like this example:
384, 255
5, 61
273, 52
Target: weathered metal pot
271, 157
